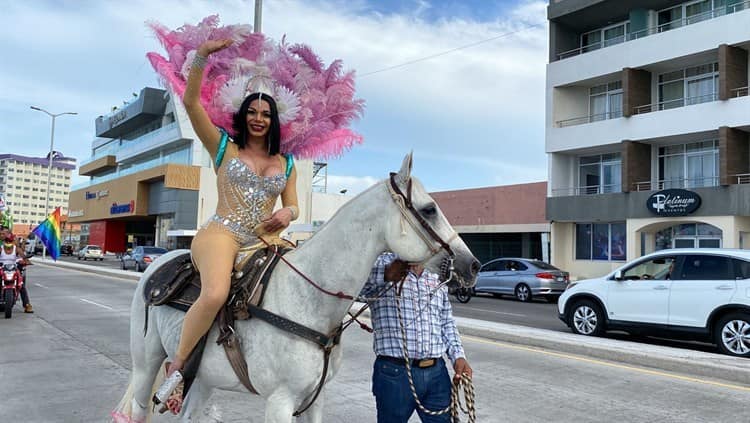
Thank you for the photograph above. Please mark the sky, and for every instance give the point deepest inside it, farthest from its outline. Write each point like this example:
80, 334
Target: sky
473, 117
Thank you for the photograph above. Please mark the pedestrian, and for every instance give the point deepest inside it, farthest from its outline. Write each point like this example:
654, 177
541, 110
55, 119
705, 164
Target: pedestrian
430, 333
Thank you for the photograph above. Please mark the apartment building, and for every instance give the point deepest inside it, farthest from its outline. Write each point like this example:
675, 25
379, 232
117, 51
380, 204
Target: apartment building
647, 129
151, 181
23, 186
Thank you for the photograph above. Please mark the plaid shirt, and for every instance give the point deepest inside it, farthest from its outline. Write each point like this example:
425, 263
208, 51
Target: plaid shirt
430, 327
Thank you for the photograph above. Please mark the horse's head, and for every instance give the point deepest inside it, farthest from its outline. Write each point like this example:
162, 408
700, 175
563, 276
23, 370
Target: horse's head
420, 233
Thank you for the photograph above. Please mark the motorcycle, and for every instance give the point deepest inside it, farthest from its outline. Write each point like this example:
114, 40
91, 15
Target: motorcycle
463, 295
12, 282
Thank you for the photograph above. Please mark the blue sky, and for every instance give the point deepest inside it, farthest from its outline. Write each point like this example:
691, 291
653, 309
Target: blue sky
474, 117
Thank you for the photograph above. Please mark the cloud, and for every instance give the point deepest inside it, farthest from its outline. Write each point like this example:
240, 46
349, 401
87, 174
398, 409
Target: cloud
468, 109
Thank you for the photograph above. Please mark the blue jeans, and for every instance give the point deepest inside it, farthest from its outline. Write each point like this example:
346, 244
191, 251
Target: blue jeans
393, 396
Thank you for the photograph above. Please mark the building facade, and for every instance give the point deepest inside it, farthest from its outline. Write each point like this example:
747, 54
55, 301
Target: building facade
23, 187
501, 221
647, 129
151, 181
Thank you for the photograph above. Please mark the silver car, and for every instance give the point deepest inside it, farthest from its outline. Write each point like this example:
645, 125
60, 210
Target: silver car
141, 257
522, 278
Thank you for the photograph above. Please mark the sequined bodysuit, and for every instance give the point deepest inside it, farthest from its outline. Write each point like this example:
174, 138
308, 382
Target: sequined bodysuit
245, 199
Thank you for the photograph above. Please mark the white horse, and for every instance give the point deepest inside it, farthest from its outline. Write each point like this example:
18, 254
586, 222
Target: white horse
285, 369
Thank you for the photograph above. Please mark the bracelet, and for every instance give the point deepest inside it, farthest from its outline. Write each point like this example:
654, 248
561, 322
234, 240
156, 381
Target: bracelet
199, 61
295, 212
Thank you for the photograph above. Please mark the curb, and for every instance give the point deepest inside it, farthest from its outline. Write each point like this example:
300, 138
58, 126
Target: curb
656, 357
686, 362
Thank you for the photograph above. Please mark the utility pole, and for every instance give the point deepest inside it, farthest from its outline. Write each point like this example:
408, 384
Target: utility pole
258, 16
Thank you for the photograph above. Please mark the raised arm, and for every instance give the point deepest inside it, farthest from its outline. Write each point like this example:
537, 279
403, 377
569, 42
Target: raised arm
204, 128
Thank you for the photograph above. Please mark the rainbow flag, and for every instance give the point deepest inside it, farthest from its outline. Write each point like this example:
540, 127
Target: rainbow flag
49, 233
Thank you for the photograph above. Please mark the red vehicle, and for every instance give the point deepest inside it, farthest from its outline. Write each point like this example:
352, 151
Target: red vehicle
12, 282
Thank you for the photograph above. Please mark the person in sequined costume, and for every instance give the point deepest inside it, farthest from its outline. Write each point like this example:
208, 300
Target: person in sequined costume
251, 174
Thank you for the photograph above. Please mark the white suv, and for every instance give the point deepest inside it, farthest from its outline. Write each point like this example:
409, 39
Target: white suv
701, 294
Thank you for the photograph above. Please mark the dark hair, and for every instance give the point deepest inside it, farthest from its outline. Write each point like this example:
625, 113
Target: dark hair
239, 123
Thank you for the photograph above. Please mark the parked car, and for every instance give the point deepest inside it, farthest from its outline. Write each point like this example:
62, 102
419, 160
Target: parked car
141, 257
93, 252
522, 278
66, 249
698, 294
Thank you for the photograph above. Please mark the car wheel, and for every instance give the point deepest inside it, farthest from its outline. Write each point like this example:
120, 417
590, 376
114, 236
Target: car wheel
586, 318
523, 292
733, 334
463, 295
552, 298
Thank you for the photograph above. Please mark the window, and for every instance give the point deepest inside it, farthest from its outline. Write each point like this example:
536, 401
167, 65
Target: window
604, 37
741, 269
698, 84
689, 165
705, 267
601, 241
494, 266
600, 174
605, 101
658, 268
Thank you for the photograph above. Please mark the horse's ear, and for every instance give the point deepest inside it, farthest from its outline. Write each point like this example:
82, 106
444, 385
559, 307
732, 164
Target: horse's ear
405, 173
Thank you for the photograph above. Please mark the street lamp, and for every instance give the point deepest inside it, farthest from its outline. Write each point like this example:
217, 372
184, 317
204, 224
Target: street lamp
49, 165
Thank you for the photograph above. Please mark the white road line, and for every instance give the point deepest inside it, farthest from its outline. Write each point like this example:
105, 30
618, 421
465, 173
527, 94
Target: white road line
41, 286
493, 311
96, 304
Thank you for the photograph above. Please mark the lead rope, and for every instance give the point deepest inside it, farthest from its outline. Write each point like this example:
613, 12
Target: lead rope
464, 382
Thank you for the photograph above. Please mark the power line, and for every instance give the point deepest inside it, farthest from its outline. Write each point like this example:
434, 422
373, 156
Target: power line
443, 53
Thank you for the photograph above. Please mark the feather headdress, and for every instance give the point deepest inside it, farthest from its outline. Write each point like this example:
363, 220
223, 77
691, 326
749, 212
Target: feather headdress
316, 103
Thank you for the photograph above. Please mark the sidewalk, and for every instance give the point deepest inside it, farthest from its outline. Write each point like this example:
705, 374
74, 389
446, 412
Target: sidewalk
688, 362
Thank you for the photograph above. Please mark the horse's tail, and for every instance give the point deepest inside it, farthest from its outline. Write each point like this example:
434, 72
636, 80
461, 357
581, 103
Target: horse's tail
128, 410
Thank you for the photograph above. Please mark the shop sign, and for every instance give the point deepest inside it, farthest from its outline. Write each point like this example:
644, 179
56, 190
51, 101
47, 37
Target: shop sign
673, 202
102, 193
75, 213
90, 195
122, 208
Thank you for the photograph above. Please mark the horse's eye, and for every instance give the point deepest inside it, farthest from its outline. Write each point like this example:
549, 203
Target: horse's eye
429, 211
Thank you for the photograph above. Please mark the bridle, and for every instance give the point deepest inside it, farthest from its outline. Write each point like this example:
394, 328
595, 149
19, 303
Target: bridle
411, 215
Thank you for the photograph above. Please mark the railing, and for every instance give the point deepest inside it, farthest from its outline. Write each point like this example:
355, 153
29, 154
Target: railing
673, 104
742, 178
739, 92
707, 181
677, 23
586, 190
588, 119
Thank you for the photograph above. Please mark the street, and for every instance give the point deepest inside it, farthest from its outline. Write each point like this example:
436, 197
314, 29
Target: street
69, 363
536, 314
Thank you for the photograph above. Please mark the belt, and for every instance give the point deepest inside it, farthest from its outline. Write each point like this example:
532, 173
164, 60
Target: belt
421, 363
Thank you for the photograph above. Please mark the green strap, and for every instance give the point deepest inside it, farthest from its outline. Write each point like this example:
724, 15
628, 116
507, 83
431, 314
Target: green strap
222, 147
289, 164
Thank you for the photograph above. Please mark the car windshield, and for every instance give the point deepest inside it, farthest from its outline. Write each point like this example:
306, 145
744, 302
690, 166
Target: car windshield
94, 248
154, 250
542, 265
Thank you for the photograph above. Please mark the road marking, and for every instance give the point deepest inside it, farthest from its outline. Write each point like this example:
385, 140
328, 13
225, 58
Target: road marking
608, 364
493, 311
41, 286
96, 304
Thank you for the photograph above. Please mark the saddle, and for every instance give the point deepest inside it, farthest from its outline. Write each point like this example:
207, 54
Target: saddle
177, 284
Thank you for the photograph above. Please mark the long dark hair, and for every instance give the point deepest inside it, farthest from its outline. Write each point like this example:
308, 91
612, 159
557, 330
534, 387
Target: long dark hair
239, 123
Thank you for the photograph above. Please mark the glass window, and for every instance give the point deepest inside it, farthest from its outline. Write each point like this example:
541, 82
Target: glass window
618, 237
601, 242
542, 265
614, 35
706, 229
689, 166
493, 266
741, 269
670, 18
583, 241
605, 101
659, 268
694, 85
517, 265
600, 174
591, 41
705, 267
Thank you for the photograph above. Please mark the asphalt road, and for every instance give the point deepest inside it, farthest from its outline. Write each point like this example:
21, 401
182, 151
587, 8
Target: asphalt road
537, 314
69, 362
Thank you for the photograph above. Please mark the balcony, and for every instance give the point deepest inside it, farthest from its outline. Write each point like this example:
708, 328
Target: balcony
586, 190
739, 92
684, 183
678, 23
672, 104
588, 119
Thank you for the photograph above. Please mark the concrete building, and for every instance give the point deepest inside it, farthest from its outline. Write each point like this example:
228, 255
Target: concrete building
502, 221
151, 181
23, 187
647, 122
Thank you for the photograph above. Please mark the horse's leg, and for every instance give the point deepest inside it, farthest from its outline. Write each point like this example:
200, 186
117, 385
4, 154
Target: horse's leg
280, 406
195, 401
314, 414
